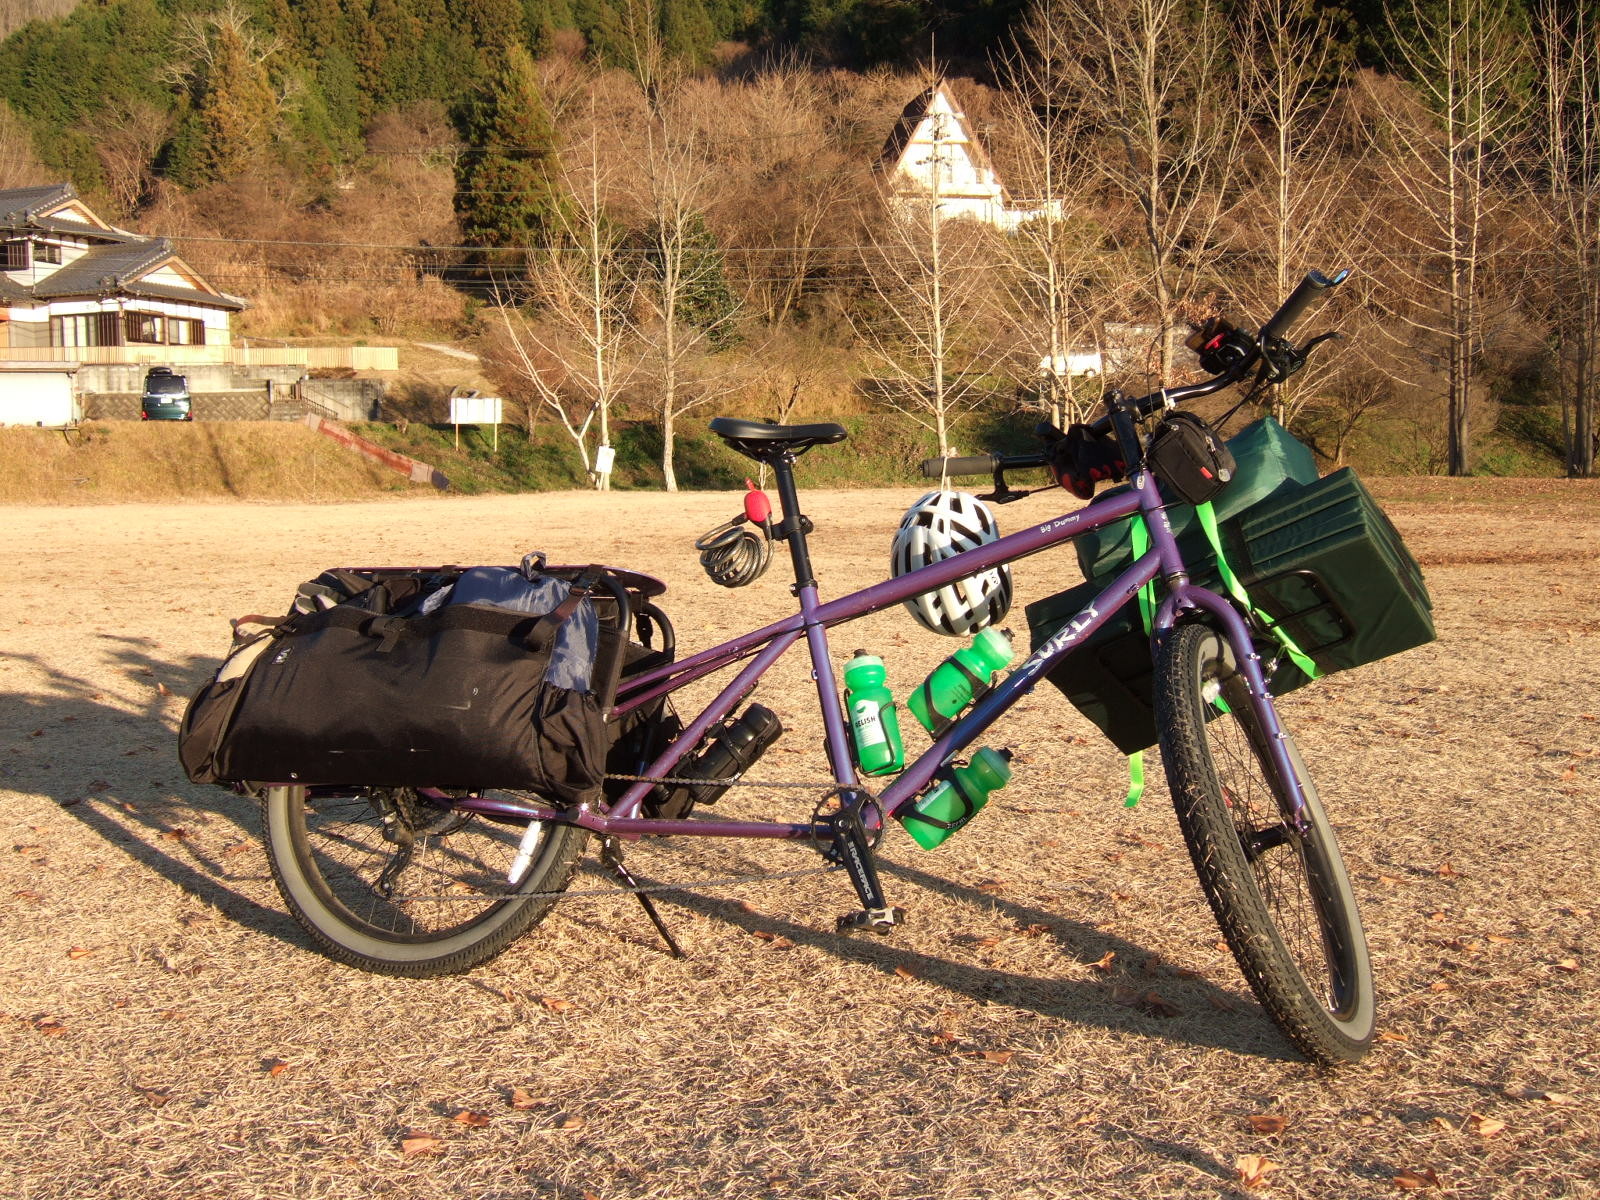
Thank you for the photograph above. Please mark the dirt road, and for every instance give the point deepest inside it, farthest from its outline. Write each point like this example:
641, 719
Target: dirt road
1056, 1021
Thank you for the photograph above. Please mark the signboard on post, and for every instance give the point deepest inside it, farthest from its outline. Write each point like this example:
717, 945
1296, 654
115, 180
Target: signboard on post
473, 409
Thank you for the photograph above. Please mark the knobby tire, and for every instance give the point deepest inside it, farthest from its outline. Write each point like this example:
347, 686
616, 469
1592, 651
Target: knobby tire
1282, 896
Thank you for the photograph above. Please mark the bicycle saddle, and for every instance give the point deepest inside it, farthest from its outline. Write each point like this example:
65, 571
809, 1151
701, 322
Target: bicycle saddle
762, 442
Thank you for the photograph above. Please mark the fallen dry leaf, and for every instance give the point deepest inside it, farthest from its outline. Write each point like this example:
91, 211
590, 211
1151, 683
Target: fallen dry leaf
1569, 965
274, 1066
556, 1004
1103, 963
1388, 1035
1034, 930
154, 1097
521, 1098
49, 1026
175, 835
1409, 1180
905, 972
467, 1117
416, 1144
79, 952
1253, 1170
1484, 1127
1445, 869
162, 689
1268, 1123
567, 1121
1000, 1057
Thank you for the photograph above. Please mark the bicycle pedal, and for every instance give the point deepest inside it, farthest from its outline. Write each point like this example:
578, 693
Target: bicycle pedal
874, 920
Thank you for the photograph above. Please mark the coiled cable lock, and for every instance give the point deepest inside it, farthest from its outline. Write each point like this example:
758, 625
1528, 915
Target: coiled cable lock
734, 556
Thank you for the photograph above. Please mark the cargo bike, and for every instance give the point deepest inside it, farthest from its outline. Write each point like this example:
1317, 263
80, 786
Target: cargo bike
415, 851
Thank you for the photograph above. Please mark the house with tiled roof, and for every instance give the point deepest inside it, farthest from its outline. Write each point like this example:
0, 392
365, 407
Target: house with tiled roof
932, 155
75, 287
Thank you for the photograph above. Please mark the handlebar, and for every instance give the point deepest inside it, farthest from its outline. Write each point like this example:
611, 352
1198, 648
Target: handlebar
980, 464
1309, 288
1281, 360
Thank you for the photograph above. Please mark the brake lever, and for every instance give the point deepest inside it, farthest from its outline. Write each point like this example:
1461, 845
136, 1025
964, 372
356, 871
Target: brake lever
1280, 358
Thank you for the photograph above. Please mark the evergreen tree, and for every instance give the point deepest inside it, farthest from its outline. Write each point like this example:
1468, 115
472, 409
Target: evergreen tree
687, 34
238, 110
506, 197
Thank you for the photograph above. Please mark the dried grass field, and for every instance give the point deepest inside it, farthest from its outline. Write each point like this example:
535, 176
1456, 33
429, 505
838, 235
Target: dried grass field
1056, 1020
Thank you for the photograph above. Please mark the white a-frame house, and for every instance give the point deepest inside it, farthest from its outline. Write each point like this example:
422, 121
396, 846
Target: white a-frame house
932, 157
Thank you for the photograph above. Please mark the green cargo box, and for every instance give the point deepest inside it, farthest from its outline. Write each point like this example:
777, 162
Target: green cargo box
1269, 461
1322, 560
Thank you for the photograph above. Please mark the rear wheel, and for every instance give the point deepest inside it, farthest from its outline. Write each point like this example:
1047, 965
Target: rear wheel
1280, 892
387, 881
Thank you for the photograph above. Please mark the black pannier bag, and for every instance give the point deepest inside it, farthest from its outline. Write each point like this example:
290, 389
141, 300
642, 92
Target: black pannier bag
1321, 560
429, 677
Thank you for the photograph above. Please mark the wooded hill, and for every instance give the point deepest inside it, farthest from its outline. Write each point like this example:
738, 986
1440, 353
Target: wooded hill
640, 208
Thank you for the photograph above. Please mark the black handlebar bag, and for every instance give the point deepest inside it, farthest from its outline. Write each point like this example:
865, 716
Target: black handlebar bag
1187, 455
495, 681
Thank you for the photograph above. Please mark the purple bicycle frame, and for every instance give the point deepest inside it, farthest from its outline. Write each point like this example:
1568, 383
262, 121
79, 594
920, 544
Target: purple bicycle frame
765, 646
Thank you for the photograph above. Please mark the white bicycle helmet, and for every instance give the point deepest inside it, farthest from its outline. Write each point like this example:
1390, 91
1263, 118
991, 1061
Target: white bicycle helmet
937, 527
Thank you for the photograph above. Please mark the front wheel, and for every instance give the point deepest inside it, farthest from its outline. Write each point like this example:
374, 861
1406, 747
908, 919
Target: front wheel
1278, 887
388, 881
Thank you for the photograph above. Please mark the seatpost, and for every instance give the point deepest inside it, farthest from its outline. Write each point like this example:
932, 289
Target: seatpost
794, 526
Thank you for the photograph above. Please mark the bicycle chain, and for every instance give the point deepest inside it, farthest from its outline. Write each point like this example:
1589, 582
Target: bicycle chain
654, 889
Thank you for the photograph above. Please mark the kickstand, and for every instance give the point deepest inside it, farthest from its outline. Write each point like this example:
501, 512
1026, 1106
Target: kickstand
611, 860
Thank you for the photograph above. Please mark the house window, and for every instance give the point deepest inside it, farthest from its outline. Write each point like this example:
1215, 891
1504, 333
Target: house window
86, 329
142, 327
17, 256
184, 331
46, 252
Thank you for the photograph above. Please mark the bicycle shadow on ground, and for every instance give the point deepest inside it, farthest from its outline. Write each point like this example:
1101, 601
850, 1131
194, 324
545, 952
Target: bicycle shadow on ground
1154, 999
104, 750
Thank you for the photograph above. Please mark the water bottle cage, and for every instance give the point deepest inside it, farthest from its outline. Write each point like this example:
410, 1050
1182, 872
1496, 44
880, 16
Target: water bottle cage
948, 775
941, 723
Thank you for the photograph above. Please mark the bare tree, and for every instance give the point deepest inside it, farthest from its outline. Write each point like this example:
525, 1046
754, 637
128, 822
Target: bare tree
1052, 259
930, 322
1154, 77
576, 353
686, 309
1567, 157
1463, 57
1298, 204
127, 136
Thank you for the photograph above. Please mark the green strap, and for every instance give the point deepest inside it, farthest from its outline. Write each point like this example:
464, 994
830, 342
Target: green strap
1208, 522
1135, 779
1139, 534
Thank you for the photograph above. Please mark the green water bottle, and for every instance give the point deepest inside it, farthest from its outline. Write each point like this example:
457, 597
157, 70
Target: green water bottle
874, 721
950, 803
954, 682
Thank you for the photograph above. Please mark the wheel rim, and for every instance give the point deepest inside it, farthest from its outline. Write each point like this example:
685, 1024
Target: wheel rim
457, 874
1289, 867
